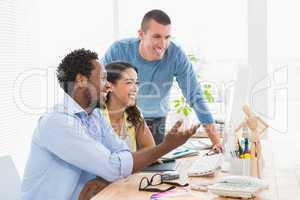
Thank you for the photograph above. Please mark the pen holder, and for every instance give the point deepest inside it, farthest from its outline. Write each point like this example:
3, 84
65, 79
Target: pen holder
239, 166
248, 166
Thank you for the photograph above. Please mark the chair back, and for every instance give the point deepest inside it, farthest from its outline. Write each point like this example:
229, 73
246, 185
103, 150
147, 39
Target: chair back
10, 182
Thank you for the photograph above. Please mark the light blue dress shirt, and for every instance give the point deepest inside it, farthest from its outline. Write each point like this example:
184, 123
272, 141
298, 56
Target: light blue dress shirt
70, 147
156, 78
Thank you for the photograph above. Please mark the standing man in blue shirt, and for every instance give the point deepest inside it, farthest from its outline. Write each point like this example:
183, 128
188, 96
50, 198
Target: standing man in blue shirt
73, 143
158, 61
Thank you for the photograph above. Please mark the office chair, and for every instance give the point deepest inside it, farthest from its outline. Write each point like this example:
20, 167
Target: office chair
10, 183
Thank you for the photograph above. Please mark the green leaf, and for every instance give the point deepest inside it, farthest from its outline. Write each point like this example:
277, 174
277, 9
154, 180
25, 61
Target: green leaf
177, 105
192, 58
207, 93
182, 99
181, 107
186, 111
176, 101
209, 97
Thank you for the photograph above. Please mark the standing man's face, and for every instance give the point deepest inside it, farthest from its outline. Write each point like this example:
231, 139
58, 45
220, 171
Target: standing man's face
154, 41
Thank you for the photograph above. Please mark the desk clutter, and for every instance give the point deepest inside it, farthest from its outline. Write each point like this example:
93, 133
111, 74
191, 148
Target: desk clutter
245, 144
245, 187
244, 149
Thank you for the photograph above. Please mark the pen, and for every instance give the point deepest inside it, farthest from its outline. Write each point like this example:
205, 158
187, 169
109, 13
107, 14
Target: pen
246, 145
240, 149
179, 152
168, 160
210, 153
237, 154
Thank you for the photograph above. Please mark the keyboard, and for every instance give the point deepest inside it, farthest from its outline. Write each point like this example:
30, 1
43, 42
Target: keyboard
238, 186
206, 165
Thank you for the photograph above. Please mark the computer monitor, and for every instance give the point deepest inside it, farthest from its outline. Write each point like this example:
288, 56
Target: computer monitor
239, 95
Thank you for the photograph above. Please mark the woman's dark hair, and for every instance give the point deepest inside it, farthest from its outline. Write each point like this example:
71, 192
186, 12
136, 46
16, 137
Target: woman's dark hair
114, 71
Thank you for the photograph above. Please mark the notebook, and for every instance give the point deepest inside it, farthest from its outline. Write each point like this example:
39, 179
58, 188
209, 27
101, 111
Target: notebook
198, 144
168, 165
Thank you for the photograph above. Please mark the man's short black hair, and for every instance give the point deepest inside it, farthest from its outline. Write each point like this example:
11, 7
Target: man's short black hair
157, 15
76, 62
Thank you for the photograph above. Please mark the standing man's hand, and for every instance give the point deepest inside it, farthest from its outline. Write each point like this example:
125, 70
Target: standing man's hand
218, 148
176, 138
214, 137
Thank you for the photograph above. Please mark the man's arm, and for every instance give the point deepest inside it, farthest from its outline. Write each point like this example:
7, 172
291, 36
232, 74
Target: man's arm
64, 136
212, 134
173, 139
112, 54
147, 156
192, 91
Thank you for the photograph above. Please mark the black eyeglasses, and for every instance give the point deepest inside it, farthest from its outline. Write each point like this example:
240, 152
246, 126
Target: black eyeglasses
155, 180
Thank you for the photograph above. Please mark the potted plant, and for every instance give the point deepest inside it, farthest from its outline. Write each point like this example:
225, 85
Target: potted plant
182, 108
207, 92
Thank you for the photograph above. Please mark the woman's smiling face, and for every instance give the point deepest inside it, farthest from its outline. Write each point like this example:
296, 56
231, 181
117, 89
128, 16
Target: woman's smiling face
125, 89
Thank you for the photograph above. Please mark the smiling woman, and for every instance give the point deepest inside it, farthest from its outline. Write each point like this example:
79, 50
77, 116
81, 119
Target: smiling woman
120, 108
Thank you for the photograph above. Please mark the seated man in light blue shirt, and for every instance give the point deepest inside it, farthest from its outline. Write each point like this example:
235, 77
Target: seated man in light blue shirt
73, 143
159, 61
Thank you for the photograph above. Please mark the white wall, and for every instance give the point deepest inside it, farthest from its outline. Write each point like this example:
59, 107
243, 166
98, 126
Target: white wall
34, 36
18, 52
211, 29
284, 65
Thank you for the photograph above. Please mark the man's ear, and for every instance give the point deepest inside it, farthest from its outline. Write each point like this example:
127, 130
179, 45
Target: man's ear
141, 34
81, 80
